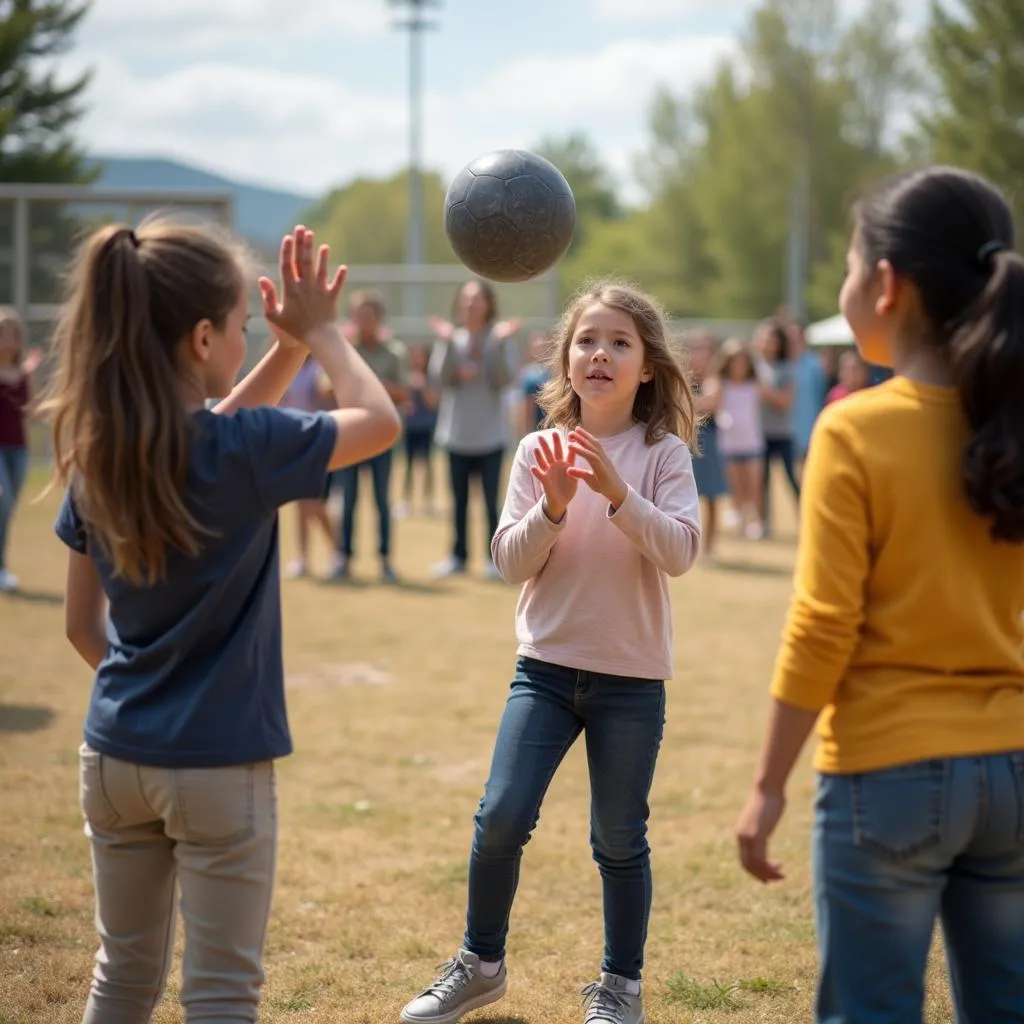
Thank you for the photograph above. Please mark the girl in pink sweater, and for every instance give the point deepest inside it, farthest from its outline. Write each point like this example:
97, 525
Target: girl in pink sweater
600, 511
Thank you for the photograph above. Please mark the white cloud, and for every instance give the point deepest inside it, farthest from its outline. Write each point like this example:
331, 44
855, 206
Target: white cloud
721, 11
206, 24
633, 11
309, 130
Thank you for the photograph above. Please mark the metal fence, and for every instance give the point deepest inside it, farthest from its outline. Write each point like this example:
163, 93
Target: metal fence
40, 226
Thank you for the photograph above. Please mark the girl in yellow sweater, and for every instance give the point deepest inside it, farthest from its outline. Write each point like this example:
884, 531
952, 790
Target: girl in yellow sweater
905, 635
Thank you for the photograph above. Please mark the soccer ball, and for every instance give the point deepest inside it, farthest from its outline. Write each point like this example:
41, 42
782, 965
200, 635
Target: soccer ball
509, 215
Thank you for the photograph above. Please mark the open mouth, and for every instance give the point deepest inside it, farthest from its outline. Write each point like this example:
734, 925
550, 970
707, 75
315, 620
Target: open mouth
598, 375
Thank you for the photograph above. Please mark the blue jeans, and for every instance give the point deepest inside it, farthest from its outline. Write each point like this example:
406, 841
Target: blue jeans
549, 706
13, 466
380, 471
896, 849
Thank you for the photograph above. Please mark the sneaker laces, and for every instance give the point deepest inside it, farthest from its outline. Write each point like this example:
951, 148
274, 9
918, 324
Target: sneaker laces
454, 975
605, 1004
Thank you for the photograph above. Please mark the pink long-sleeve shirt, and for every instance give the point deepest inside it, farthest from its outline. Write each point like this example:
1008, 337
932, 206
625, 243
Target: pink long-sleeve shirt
595, 594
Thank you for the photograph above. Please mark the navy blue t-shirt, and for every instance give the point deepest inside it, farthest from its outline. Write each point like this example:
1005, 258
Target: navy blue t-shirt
194, 673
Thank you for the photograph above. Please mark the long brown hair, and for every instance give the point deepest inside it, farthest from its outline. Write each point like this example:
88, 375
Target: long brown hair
730, 350
664, 403
10, 317
115, 402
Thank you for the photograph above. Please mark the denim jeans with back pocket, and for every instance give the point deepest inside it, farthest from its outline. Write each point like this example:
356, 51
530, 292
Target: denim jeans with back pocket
896, 850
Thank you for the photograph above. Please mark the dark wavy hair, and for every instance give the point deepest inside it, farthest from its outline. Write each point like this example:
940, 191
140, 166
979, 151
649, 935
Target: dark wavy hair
952, 233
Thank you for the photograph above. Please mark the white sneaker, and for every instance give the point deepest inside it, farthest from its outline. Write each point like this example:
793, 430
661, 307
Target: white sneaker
449, 567
607, 1002
8, 581
459, 988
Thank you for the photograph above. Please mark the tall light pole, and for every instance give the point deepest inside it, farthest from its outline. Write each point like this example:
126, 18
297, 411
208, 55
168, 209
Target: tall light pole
415, 23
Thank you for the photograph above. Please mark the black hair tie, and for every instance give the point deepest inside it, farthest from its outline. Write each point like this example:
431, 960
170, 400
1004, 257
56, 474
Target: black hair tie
989, 249
132, 237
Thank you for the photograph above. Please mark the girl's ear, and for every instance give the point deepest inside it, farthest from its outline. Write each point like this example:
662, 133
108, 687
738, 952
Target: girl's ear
646, 374
888, 290
199, 341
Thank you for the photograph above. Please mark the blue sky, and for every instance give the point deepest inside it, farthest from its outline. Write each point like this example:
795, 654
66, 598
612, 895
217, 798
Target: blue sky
309, 93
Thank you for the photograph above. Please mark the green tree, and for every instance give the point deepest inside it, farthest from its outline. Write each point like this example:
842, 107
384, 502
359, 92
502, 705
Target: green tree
591, 183
365, 220
37, 110
976, 53
779, 141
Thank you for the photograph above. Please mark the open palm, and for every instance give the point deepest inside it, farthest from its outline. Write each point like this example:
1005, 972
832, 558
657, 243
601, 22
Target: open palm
554, 461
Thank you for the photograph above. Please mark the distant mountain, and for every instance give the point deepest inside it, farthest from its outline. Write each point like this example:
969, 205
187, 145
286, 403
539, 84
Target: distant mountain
262, 215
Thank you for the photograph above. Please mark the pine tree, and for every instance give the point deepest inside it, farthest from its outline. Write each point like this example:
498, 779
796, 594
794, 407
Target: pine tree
37, 109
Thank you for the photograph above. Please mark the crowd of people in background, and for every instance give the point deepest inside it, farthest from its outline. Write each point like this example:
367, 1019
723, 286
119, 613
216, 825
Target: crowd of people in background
469, 395
759, 400
472, 393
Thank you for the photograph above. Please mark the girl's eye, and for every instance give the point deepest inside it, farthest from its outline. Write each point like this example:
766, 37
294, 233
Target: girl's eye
583, 341
622, 341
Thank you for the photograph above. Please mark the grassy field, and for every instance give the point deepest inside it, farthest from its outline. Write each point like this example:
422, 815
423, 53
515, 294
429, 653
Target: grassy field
394, 696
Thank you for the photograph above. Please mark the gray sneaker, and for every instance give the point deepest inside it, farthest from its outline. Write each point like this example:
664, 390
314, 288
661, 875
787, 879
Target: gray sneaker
607, 1002
459, 988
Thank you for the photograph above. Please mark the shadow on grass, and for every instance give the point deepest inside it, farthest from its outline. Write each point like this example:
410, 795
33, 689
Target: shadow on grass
402, 586
750, 568
24, 717
33, 597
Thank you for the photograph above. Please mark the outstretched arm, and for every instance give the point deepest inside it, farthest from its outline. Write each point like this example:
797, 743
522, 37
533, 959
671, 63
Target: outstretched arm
268, 380
526, 533
665, 529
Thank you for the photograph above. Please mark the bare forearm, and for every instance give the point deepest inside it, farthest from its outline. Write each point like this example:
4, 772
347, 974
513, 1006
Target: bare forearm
788, 729
351, 379
268, 380
91, 644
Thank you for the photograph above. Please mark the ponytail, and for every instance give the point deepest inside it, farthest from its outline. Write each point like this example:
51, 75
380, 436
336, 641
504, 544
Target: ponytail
121, 430
951, 232
987, 356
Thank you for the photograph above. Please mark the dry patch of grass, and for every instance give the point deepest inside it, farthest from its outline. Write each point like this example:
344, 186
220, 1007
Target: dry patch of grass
394, 696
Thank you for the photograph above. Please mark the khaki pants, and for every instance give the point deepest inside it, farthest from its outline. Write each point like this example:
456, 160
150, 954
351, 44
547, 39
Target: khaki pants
213, 831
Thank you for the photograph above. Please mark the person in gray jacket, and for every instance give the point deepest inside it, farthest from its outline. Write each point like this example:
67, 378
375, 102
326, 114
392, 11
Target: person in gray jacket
472, 364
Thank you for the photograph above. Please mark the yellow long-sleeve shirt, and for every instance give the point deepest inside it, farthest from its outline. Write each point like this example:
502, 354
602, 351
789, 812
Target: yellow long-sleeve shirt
906, 626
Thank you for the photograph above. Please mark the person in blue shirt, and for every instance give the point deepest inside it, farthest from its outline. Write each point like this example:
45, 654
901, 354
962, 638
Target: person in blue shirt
809, 389
170, 515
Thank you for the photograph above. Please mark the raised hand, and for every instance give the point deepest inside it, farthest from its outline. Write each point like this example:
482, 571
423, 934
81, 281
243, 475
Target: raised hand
32, 361
308, 300
506, 329
599, 474
554, 470
442, 329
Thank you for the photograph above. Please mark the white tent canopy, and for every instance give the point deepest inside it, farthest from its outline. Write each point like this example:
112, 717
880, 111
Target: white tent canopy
833, 331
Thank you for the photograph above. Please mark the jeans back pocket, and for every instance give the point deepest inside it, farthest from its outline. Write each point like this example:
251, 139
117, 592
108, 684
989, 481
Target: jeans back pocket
901, 812
216, 806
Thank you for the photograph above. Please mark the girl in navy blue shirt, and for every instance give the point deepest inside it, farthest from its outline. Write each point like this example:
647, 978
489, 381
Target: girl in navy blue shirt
173, 586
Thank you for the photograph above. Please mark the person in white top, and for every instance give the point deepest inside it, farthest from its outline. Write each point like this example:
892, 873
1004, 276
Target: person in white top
741, 434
